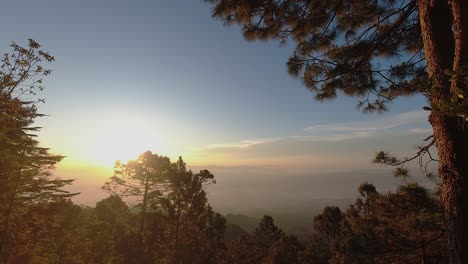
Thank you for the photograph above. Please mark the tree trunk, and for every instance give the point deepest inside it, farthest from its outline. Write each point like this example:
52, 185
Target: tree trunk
452, 146
143, 208
444, 37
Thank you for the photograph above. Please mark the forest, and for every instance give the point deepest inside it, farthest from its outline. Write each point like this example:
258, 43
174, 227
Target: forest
157, 209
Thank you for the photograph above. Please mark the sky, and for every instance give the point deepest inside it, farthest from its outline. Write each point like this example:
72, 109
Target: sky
165, 76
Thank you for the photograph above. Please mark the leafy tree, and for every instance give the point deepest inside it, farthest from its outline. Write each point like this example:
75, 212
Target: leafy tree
112, 210
143, 178
25, 175
378, 51
50, 233
107, 231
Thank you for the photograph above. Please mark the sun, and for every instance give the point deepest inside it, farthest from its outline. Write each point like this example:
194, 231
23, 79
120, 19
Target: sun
121, 138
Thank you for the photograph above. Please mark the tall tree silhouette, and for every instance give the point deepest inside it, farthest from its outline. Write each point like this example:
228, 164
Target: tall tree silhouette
328, 223
187, 230
25, 177
144, 178
379, 51
266, 234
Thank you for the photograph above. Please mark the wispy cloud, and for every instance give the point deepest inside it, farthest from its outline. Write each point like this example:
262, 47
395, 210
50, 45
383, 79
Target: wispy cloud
352, 135
420, 130
334, 137
243, 143
374, 125
335, 132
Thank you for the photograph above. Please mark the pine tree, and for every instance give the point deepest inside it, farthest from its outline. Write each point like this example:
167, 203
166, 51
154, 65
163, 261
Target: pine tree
378, 51
25, 167
266, 234
402, 227
143, 178
188, 230
328, 224
285, 251
240, 251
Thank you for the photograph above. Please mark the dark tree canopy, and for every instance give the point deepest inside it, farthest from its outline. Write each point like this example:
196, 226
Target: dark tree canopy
367, 49
25, 166
144, 178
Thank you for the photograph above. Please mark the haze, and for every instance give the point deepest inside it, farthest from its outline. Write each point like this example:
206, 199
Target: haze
132, 76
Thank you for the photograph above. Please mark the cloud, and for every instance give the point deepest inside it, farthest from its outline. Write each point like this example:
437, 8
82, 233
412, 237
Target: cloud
353, 135
335, 132
374, 125
420, 130
243, 143
335, 137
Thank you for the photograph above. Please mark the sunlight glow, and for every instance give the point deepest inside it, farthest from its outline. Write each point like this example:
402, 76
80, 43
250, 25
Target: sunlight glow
121, 138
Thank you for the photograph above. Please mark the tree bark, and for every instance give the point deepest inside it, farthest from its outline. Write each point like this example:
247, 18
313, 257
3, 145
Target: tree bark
452, 145
443, 38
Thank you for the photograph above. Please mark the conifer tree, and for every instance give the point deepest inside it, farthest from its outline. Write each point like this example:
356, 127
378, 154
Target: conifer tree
25, 167
187, 230
402, 227
240, 251
328, 223
285, 251
379, 51
266, 234
144, 178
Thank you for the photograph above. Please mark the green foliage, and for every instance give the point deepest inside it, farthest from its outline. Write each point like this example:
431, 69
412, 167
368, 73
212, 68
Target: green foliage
177, 225
327, 224
456, 103
25, 167
240, 251
402, 227
285, 251
366, 49
267, 244
316, 251
187, 230
144, 178
266, 234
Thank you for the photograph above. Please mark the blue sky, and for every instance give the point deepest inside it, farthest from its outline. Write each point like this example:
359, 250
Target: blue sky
165, 76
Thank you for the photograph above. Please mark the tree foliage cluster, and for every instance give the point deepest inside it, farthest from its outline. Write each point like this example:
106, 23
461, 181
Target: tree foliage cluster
179, 225
26, 184
406, 226
176, 223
